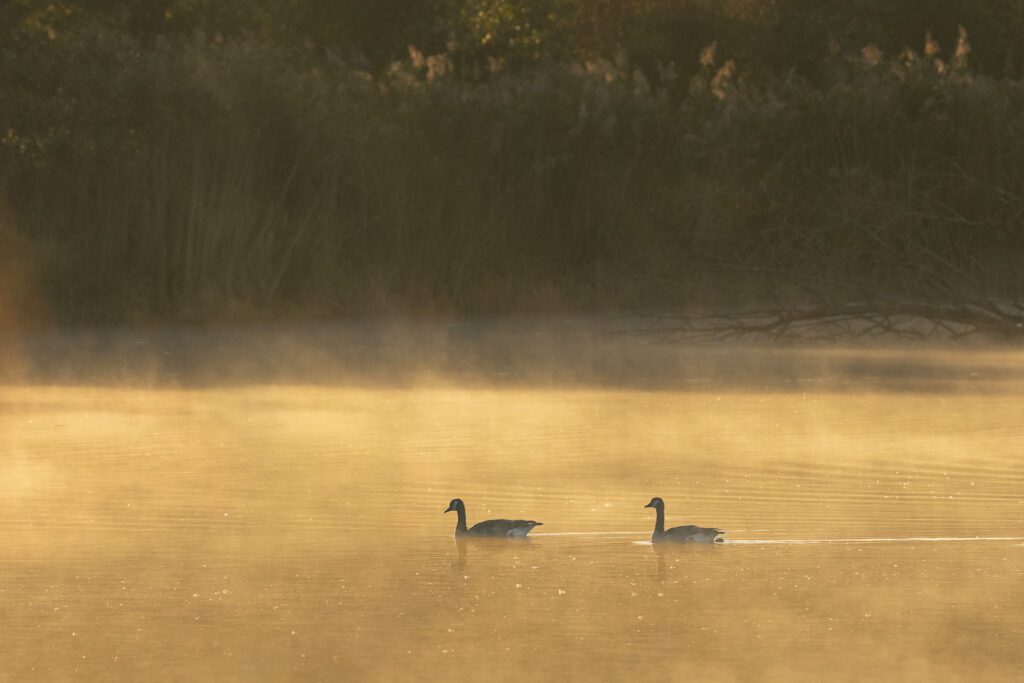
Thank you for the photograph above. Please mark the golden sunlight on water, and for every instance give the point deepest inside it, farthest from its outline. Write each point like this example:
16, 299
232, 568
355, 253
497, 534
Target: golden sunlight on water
296, 533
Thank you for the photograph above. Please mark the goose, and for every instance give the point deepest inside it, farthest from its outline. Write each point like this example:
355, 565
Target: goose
507, 528
679, 534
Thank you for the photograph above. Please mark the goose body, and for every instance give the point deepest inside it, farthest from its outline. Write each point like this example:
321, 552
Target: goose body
494, 528
679, 534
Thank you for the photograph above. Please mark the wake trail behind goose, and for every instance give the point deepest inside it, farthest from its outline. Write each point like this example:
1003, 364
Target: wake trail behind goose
906, 539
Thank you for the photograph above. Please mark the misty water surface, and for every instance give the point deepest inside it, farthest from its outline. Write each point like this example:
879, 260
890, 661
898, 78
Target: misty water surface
177, 524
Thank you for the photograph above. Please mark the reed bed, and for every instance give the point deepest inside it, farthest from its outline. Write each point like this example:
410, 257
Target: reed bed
199, 179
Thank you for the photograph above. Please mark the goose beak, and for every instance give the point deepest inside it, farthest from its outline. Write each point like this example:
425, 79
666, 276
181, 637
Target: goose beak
450, 508
649, 505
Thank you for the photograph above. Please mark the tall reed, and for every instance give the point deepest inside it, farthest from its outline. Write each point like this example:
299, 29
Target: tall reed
200, 179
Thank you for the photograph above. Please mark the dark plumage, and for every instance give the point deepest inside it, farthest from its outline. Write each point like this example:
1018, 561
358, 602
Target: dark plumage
502, 528
679, 534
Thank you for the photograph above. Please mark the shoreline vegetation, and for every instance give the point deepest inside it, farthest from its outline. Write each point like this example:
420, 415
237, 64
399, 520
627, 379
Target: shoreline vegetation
490, 158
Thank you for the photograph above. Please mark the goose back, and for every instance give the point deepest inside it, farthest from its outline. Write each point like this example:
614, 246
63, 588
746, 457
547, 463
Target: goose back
513, 528
688, 534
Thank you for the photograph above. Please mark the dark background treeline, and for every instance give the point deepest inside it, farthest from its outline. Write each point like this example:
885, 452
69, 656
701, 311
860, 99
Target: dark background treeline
201, 159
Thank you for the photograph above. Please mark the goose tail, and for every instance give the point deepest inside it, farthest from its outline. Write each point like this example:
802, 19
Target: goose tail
522, 528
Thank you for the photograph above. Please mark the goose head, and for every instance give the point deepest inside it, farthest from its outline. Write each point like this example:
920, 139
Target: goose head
655, 503
455, 505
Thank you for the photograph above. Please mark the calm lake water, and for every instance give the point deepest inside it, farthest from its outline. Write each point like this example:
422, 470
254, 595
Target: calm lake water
292, 528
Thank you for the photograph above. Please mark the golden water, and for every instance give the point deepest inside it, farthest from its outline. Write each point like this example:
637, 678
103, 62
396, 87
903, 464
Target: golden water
295, 532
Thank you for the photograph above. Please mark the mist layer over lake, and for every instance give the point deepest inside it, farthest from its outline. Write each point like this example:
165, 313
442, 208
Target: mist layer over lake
171, 510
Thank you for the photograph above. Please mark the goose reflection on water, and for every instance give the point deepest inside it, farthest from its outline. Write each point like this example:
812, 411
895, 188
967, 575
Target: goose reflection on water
488, 547
667, 556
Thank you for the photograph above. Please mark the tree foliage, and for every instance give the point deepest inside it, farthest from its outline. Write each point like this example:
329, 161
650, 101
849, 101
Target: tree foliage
773, 35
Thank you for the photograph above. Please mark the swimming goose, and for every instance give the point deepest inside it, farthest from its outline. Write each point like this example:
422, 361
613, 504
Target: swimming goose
509, 528
679, 534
